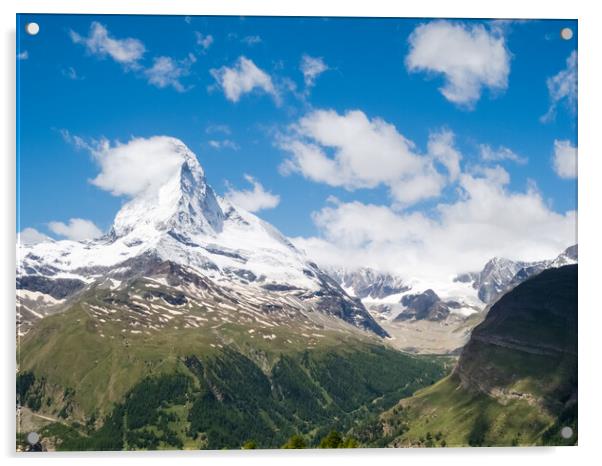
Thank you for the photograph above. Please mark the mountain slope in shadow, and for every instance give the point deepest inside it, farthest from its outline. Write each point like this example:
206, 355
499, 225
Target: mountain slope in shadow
515, 382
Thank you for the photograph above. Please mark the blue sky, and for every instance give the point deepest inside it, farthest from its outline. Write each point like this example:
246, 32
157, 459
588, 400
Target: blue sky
68, 89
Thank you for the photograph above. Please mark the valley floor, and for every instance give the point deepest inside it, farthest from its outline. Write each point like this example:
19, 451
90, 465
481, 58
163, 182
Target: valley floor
427, 337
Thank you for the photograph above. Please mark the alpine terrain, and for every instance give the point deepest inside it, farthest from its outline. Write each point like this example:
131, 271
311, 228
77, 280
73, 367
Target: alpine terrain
331, 269
515, 382
438, 317
195, 324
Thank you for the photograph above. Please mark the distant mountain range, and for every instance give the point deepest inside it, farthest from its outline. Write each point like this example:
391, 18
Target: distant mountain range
369, 283
401, 300
423, 317
499, 274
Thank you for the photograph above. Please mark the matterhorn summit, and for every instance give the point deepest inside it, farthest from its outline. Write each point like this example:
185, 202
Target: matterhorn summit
179, 201
174, 217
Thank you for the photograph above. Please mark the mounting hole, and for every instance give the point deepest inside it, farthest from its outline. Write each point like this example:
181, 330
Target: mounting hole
32, 28
33, 438
566, 432
566, 33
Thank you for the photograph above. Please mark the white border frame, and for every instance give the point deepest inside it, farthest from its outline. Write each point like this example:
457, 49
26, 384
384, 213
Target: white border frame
590, 237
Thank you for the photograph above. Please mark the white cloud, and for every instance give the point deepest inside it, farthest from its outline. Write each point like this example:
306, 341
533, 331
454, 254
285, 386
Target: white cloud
564, 160
77, 141
312, 67
469, 56
562, 87
217, 128
489, 154
138, 166
253, 200
23, 55
223, 144
251, 40
486, 220
418, 187
76, 229
203, 40
30, 236
164, 72
353, 151
71, 73
167, 72
127, 52
441, 148
242, 78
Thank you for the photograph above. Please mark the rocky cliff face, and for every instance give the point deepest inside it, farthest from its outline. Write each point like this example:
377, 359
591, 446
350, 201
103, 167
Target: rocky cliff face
426, 306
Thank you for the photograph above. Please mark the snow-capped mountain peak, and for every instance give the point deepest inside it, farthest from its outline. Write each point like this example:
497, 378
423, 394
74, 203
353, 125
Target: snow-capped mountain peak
181, 220
367, 283
500, 274
184, 202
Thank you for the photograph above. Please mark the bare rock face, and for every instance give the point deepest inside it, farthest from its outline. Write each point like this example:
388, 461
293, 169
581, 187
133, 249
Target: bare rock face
57, 288
425, 306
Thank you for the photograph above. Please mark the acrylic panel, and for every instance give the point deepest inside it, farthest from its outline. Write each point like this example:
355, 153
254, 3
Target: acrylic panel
295, 232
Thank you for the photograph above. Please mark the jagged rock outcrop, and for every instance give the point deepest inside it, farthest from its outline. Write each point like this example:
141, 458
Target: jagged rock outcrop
425, 306
500, 275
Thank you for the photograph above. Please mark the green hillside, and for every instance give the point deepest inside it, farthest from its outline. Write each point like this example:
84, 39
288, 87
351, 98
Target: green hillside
185, 388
